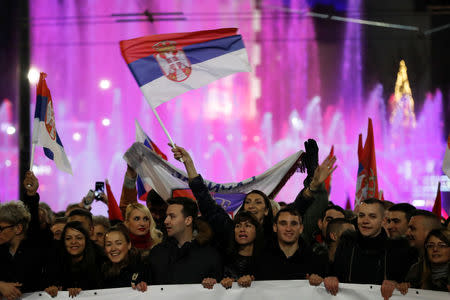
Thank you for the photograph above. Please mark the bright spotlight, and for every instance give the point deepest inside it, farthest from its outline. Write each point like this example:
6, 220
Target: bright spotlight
106, 122
33, 76
76, 136
104, 84
229, 137
10, 130
256, 138
7, 163
210, 137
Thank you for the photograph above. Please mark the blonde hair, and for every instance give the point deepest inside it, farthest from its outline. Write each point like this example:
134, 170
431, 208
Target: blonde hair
155, 234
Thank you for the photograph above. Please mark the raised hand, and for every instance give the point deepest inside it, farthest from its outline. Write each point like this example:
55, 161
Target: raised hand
322, 172
30, 183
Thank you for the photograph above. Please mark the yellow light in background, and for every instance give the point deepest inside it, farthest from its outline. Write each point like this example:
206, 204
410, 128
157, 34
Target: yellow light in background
403, 102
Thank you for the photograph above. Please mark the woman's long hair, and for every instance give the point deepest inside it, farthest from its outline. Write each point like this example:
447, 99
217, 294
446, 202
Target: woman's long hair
155, 234
268, 220
443, 235
111, 269
87, 265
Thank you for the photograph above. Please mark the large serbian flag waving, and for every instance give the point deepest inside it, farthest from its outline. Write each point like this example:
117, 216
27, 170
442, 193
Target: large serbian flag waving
168, 65
44, 127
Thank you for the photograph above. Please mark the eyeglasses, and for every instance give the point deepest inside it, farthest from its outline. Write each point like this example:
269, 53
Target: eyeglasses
438, 246
6, 227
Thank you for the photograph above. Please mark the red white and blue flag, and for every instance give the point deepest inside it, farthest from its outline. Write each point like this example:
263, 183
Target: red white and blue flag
168, 65
142, 188
44, 127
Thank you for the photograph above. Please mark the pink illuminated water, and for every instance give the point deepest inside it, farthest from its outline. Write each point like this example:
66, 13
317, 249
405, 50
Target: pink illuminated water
236, 127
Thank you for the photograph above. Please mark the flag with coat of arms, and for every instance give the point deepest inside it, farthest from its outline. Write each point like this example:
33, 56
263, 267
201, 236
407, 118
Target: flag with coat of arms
44, 127
168, 65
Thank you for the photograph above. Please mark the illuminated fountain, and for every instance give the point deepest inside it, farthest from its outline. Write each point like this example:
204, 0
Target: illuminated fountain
236, 127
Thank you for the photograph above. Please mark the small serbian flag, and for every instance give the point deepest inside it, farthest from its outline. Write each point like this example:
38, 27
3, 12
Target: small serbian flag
142, 188
168, 65
44, 127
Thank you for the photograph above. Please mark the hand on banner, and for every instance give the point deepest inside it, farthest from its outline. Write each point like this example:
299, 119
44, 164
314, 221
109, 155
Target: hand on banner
10, 290
141, 286
314, 279
387, 289
246, 280
182, 155
52, 291
331, 285
403, 287
30, 183
227, 282
73, 292
208, 283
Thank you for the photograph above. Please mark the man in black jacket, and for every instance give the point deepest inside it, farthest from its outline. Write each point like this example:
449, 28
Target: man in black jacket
181, 259
23, 244
368, 256
290, 257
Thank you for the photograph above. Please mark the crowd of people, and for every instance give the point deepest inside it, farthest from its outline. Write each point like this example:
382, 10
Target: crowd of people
186, 241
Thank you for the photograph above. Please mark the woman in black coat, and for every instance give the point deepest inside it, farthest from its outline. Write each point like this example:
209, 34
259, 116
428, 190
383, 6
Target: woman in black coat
77, 270
124, 267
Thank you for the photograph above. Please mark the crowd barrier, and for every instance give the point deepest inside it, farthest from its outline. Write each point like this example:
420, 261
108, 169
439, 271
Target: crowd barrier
261, 290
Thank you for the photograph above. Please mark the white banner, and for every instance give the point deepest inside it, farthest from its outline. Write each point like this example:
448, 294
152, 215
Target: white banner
260, 290
169, 181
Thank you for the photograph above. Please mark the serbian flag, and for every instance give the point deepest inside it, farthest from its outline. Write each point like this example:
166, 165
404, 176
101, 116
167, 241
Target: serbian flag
142, 137
168, 65
44, 128
446, 164
328, 179
367, 182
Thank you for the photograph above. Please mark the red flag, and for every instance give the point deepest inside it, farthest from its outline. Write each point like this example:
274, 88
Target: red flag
328, 180
367, 182
348, 205
437, 203
114, 212
381, 195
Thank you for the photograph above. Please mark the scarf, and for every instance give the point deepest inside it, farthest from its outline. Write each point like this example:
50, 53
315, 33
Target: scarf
143, 242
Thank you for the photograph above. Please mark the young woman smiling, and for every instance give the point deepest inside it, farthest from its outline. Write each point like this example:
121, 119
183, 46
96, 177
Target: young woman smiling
125, 267
77, 270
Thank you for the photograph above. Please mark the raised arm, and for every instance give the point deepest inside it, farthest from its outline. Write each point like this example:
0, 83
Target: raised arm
318, 196
129, 192
214, 214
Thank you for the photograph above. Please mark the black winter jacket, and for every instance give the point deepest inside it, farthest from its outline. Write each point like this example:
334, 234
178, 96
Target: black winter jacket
359, 259
191, 263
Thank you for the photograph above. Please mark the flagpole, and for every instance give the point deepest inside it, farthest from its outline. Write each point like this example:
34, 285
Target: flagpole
32, 156
164, 128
